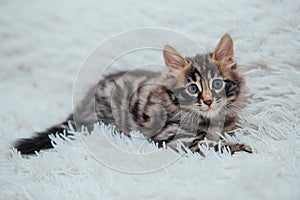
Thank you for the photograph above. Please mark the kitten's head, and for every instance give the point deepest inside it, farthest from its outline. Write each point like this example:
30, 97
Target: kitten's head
207, 84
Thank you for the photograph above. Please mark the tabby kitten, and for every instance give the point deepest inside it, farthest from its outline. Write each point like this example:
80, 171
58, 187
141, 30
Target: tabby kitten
197, 98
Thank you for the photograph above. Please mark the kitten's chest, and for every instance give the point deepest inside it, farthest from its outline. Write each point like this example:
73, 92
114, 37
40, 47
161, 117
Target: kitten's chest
211, 127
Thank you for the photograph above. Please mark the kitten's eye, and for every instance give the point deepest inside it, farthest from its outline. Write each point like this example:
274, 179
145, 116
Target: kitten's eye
193, 89
217, 84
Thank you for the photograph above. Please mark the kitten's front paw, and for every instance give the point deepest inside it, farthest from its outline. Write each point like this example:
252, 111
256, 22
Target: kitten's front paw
237, 147
213, 144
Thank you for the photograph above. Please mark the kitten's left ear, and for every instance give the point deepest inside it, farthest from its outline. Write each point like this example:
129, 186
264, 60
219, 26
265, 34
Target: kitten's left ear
173, 59
224, 51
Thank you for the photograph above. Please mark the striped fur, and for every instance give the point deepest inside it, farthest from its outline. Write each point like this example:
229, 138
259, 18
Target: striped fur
197, 98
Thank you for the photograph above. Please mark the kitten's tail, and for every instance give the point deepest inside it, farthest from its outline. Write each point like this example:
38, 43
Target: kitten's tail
41, 140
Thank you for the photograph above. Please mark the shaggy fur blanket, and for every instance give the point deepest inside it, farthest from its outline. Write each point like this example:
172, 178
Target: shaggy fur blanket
42, 47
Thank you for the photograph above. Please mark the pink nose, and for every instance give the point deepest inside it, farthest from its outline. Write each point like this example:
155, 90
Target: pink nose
207, 102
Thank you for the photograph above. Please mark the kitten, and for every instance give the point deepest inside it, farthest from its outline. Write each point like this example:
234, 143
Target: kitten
196, 98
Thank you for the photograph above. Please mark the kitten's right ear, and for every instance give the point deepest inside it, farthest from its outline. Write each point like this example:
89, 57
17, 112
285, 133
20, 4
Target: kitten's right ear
173, 59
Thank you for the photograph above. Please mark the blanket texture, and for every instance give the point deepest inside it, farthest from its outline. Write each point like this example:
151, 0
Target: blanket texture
42, 47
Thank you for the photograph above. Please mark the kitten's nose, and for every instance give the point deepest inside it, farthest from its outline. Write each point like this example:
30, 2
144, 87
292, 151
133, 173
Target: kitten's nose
207, 102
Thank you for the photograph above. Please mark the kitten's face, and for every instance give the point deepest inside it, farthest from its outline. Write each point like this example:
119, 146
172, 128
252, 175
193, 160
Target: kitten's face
206, 84
206, 88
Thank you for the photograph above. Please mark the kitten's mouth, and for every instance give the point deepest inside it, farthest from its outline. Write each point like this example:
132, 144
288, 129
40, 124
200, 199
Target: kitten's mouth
209, 109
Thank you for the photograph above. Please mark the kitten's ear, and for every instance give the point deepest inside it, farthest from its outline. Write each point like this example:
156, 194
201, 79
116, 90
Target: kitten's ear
224, 51
173, 59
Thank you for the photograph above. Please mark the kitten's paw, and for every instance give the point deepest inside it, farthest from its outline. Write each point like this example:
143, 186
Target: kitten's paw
204, 143
221, 147
238, 147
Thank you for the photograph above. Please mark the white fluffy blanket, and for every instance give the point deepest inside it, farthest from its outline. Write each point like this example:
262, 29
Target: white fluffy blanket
42, 46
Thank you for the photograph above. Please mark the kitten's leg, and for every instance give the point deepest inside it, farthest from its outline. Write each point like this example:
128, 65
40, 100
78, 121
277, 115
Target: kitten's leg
173, 134
209, 143
214, 144
236, 147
